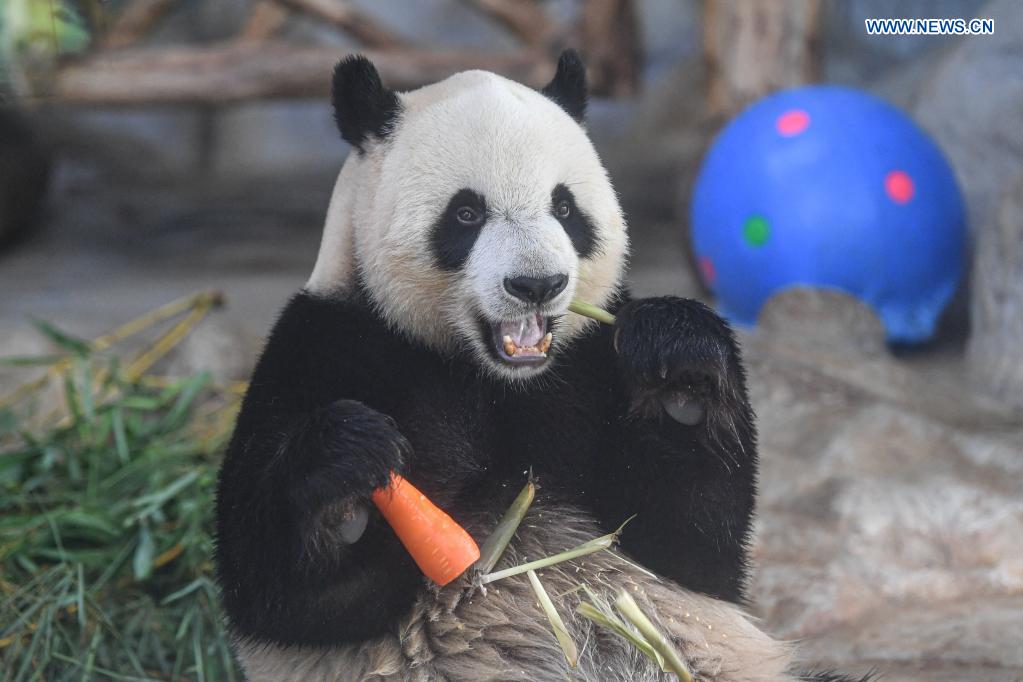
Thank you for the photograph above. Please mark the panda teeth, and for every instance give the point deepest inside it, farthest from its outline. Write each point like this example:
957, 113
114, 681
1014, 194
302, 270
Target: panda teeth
545, 343
542, 347
509, 346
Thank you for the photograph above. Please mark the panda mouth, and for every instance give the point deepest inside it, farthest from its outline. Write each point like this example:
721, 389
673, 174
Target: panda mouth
522, 341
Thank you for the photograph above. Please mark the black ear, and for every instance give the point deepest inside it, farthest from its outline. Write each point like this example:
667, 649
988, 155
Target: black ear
362, 105
568, 88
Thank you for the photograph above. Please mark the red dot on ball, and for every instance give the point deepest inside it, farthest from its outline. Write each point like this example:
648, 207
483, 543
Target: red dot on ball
792, 122
899, 186
707, 270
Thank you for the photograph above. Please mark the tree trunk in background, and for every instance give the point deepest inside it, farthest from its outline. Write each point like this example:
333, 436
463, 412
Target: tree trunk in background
995, 349
754, 48
611, 46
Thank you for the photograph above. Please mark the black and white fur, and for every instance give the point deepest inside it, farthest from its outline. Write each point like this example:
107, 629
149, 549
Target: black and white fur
387, 360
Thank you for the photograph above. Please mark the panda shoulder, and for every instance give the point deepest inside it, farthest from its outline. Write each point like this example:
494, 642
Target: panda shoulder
312, 328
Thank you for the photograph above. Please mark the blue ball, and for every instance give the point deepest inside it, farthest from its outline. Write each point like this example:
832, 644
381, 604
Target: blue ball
830, 187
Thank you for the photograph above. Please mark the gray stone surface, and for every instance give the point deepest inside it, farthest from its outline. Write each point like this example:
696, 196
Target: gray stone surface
823, 318
995, 351
889, 536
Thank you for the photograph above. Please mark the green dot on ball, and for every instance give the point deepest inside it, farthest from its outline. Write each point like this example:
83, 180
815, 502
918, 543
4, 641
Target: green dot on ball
756, 230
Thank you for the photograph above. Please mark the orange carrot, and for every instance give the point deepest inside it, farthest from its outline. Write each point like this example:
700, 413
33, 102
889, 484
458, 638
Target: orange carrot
441, 548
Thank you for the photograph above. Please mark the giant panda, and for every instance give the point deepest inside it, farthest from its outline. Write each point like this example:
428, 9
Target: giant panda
433, 339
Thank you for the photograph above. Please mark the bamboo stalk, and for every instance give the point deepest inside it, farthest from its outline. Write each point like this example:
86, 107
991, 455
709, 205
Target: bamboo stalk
168, 341
628, 607
589, 547
498, 541
609, 621
100, 343
591, 311
560, 631
595, 545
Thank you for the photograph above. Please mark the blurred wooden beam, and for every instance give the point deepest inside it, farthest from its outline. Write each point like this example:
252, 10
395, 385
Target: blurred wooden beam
266, 19
361, 26
754, 48
244, 70
525, 19
611, 47
137, 18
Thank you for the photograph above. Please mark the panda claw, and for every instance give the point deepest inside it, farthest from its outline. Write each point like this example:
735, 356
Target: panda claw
683, 408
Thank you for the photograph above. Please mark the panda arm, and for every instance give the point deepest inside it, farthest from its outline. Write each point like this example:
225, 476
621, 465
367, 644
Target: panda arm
306, 453
689, 479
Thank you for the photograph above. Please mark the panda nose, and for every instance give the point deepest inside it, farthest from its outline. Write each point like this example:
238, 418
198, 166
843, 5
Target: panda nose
535, 289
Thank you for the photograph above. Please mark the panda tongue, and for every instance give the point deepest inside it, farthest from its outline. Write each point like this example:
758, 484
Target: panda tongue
524, 333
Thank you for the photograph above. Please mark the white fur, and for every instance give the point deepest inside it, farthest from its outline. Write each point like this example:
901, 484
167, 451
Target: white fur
512, 145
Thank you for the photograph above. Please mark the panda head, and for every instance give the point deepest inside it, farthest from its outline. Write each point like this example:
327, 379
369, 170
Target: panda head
471, 212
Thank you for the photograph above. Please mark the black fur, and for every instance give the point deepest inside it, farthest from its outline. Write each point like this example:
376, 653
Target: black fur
673, 345
311, 434
577, 225
450, 240
568, 87
362, 105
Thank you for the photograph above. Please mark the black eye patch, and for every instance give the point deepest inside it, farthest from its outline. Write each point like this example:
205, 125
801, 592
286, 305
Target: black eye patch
577, 224
452, 238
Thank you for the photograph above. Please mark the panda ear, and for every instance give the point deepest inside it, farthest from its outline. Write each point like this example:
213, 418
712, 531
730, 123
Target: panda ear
362, 105
568, 87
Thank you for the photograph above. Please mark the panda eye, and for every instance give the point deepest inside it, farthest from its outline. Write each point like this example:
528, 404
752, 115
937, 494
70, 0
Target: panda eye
563, 209
468, 216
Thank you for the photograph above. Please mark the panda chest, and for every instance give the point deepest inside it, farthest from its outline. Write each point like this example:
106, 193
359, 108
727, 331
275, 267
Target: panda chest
467, 431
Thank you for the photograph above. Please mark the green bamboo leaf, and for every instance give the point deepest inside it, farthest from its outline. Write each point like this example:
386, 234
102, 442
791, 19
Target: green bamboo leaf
80, 597
31, 360
64, 340
140, 402
72, 399
187, 395
142, 563
159, 497
184, 591
83, 375
8, 421
78, 518
120, 435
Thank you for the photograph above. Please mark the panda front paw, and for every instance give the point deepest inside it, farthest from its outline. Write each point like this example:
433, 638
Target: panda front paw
676, 355
344, 452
